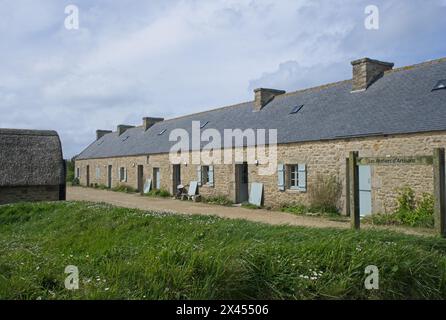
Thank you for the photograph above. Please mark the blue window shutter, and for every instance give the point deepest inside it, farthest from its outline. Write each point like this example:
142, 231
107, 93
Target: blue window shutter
211, 176
302, 176
281, 176
199, 175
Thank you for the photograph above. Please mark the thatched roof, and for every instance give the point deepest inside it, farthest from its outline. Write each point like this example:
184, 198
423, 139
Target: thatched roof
30, 157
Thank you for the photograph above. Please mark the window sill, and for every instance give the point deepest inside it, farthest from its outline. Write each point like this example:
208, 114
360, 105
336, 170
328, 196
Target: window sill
294, 191
206, 186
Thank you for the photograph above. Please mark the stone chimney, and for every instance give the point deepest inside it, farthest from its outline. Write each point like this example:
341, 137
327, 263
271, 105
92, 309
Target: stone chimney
264, 96
147, 122
101, 133
123, 128
366, 71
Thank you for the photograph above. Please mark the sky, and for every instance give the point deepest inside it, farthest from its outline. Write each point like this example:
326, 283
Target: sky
165, 58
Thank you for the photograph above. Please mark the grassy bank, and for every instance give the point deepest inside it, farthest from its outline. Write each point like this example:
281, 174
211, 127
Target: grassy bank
131, 254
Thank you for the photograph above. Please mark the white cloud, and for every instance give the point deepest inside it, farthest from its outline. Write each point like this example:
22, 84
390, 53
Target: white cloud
131, 59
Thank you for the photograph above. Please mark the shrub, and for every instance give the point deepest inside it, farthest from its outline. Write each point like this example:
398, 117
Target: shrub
75, 182
425, 206
406, 199
70, 171
220, 200
422, 214
324, 194
294, 208
248, 205
382, 219
409, 212
330, 210
123, 188
158, 193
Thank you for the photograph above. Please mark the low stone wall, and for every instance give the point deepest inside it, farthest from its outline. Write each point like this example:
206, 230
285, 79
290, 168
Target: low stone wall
28, 194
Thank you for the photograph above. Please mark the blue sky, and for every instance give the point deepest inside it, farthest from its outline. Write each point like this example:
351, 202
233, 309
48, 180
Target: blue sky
131, 59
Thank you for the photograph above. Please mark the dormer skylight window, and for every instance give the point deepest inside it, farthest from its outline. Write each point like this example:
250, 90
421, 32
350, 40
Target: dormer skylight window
204, 125
296, 109
440, 85
162, 132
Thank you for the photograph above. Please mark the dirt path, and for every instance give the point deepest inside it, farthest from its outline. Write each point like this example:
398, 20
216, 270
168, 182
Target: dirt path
188, 207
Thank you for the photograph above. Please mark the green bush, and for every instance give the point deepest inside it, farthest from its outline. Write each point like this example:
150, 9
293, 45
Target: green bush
325, 209
248, 205
70, 171
158, 193
220, 200
382, 219
324, 194
124, 188
294, 208
75, 182
100, 186
406, 199
409, 212
422, 214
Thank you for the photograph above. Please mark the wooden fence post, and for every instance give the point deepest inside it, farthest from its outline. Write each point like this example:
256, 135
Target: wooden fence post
439, 191
354, 190
347, 187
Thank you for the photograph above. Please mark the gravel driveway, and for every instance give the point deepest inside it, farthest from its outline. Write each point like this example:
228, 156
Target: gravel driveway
188, 207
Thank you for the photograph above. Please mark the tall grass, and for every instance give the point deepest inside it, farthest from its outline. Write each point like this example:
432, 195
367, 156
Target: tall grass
131, 254
324, 194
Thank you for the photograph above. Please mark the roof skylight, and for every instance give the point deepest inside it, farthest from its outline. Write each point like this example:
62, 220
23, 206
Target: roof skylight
440, 85
296, 109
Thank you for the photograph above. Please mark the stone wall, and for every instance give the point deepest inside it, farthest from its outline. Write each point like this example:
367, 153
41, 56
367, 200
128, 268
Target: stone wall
100, 166
321, 158
28, 194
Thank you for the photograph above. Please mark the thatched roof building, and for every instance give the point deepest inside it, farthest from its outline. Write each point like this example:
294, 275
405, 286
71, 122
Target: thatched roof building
31, 158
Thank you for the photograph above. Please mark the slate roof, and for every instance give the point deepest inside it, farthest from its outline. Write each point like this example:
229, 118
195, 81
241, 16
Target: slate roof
30, 158
400, 102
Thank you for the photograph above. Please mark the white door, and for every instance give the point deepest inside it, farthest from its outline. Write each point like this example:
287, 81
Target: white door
365, 191
157, 178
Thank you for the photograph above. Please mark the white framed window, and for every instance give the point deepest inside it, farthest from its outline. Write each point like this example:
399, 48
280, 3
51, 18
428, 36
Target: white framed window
294, 176
98, 172
205, 175
122, 174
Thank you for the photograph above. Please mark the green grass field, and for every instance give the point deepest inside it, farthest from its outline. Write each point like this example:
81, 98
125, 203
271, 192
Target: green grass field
131, 254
